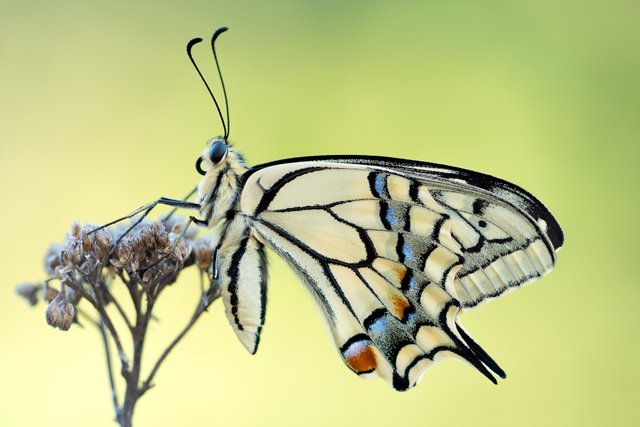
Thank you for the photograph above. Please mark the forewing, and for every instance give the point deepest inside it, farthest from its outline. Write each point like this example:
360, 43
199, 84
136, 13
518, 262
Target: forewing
392, 255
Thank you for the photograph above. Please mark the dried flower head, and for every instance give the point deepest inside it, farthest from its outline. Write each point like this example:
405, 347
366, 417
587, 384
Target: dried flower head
29, 292
76, 229
74, 253
162, 240
182, 250
203, 254
103, 242
52, 258
60, 312
49, 293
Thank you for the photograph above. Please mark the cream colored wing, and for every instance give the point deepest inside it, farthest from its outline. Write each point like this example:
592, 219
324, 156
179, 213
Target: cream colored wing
392, 255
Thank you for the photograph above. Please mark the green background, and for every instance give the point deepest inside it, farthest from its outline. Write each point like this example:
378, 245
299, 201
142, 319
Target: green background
100, 111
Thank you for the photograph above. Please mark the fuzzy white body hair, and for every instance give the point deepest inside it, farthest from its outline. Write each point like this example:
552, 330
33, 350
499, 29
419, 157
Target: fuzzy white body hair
217, 190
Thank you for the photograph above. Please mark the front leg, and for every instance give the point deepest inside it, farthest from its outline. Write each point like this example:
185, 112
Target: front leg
198, 221
147, 209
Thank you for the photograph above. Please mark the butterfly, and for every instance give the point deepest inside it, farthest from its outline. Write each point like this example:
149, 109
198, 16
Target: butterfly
393, 250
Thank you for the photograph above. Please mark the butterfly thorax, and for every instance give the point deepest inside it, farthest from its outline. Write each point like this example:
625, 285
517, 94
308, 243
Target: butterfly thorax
218, 189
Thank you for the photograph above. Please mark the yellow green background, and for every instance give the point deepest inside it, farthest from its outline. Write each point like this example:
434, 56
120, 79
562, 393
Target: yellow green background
100, 111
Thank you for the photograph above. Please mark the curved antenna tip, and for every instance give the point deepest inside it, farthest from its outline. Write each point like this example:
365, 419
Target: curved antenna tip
193, 42
219, 31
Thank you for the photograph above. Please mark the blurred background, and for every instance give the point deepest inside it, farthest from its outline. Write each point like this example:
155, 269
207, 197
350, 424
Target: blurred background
101, 111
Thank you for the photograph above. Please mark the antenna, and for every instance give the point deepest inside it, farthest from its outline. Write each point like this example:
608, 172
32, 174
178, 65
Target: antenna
215, 36
190, 45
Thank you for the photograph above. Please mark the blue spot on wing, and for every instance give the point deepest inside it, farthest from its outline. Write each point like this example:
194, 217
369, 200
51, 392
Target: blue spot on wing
380, 184
410, 318
379, 325
407, 252
356, 348
391, 218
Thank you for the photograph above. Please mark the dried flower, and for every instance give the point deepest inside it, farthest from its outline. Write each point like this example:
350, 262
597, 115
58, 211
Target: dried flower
75, 229
177, 228
49, 293
163, 242
60, 312
104, 240
52, 258
123, 255
74, 253
88, 240
147, 237
203, 254
29, 292
182, 251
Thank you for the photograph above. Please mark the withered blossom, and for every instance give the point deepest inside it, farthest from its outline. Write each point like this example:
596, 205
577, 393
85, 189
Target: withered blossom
29, 292
60, 312
203, 253
145, 258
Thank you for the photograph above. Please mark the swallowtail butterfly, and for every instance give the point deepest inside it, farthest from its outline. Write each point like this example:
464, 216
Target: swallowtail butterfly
393, 250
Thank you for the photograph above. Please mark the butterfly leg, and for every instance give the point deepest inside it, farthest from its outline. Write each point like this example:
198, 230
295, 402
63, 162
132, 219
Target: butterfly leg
184, 199
199, 221
146, 209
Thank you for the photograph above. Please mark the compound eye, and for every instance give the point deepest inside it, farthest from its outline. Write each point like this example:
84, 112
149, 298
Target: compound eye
218, 150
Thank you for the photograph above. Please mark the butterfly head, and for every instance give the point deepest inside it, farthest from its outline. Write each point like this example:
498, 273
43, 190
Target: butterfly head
220, 166
213, 157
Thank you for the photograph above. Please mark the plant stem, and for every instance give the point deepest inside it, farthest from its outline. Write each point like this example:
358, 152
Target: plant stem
112, 384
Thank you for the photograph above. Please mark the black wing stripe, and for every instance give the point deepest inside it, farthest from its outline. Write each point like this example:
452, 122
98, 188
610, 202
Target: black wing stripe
378, 185
362, 235
414, 188
384, 214
323, 261
271, 193
233, 272
263, 285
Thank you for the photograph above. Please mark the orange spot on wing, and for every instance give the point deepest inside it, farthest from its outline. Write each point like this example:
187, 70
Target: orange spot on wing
362, 359
400, 271
400, 304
